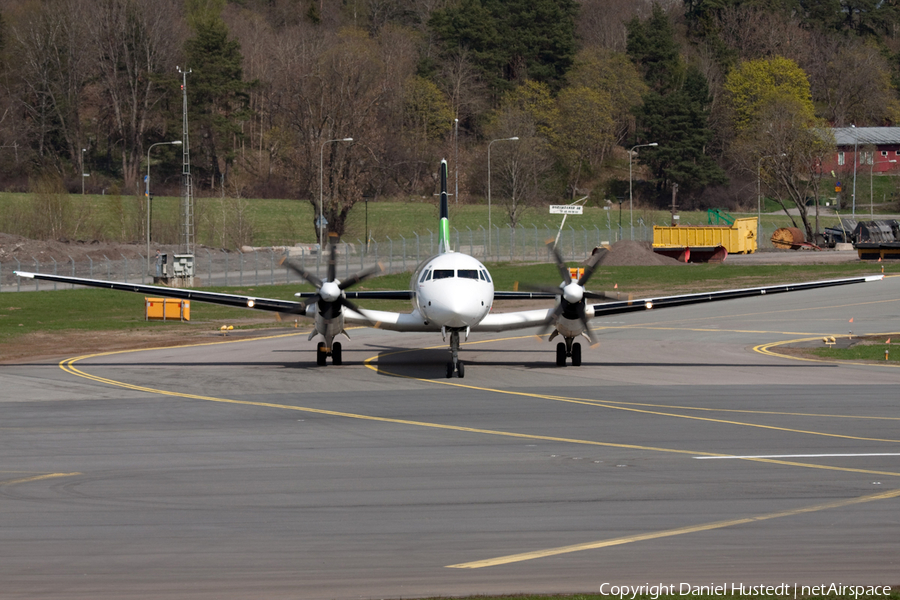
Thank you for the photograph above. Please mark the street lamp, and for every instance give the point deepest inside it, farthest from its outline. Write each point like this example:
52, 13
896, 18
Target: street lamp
147, 193
83, 174
855, 160
872, 187
321, 213
490, 231
630, 195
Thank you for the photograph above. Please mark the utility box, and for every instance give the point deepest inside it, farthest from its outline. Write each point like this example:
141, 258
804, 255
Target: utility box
739, 238
183, 266
167, 309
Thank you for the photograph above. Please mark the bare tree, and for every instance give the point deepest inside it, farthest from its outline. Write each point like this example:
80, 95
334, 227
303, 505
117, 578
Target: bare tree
135, 45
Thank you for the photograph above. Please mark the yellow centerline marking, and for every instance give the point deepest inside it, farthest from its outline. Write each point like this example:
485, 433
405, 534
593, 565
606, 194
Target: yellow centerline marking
514, 558
36, 478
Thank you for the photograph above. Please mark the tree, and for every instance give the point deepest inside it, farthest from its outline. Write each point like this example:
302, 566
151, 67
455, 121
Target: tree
218, 96
755, 84
134, 45
675, 112
511, 40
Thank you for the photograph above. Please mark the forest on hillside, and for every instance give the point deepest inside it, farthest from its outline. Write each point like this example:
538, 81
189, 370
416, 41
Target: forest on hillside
727, 90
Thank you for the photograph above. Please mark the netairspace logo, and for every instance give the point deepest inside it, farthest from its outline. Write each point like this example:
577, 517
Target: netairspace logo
654, 591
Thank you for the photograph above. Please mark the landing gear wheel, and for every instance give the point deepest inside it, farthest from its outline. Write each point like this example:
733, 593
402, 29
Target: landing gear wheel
449, 370
460, 370
576, 355
321, 354
336, 354
560, 355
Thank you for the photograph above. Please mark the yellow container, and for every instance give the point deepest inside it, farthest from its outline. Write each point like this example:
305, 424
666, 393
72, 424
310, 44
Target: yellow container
740, 238
167, 309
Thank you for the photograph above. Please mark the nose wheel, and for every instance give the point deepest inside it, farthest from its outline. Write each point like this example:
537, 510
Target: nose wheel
566, 350
455, 365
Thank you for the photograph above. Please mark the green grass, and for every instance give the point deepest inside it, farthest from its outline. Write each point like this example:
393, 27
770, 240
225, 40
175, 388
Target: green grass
274, 222
103, 310
868, 349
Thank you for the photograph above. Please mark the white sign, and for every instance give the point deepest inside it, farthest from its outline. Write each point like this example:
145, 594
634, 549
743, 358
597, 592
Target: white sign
566, 209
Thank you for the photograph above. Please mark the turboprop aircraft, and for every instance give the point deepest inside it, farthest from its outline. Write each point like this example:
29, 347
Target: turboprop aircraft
451, 293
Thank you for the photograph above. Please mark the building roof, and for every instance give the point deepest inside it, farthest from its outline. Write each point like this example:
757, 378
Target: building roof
849, 136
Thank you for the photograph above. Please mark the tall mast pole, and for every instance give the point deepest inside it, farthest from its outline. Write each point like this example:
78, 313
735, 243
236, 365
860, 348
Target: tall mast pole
187, 197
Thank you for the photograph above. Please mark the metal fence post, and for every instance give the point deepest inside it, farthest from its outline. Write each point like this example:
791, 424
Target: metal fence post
209, 268
391, 250
226, 268
91, 267
272, 266
18, 279
126, 266
241, 271
418, 260
361, 266
37, 269
404, 251
483, 243
497, 227
54, 272
457, 238
431, 233
256, 267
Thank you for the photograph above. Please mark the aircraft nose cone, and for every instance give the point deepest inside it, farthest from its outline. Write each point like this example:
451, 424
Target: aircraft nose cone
330, 291
573, 293
453, 312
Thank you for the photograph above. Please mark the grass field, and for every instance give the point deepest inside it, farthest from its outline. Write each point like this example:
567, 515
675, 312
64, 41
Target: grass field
228, 222
868, 349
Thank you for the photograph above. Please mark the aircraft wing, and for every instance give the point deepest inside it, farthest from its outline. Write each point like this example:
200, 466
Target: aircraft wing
254, 302
524, 295
623, 306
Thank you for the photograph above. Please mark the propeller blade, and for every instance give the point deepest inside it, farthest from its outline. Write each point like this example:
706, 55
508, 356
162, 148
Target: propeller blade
551, 323
584, 321
542, 288
560, 263
306, 275
595, 295
589, 270
352, 306
361, 276
332, 258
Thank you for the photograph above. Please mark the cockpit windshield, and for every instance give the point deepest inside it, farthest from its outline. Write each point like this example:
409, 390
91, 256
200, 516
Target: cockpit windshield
442, 274
467, 273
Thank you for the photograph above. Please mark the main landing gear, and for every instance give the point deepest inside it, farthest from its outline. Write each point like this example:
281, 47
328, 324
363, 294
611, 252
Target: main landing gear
455, 365
566, 350
322, 354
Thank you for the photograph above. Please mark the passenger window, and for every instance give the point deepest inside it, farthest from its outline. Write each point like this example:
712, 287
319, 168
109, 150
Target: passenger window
467, 273
443, 274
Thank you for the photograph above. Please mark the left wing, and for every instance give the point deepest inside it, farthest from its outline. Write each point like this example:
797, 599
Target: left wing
255, 302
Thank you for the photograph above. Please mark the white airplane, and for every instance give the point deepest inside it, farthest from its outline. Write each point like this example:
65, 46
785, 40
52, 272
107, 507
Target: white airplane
451, 293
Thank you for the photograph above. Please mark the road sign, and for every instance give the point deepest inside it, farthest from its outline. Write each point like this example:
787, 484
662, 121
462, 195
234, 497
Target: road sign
566, 209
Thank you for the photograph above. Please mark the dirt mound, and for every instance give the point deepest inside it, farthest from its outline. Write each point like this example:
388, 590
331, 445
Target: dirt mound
628, 253
27, 250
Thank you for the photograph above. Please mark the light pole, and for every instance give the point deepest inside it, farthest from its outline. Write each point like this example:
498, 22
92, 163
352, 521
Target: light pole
630, 195
83, 174
490, 231
321, 213
871, 185
855, 160
147, 193
456, 160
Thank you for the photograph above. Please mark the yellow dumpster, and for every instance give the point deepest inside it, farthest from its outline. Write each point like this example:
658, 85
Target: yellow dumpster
739, 238
167, 309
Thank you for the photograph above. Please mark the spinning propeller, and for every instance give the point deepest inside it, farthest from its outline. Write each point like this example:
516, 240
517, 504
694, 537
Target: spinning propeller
571, 294
329, 293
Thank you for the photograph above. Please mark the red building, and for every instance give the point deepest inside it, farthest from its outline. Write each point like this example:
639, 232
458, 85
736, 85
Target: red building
877, 150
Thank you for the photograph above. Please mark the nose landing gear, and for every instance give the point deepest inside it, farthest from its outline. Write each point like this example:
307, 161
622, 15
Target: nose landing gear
455, 365
568, 349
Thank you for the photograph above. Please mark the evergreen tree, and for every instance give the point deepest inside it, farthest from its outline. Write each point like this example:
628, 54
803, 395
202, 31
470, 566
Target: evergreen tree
511, 40
675, 113
217, 95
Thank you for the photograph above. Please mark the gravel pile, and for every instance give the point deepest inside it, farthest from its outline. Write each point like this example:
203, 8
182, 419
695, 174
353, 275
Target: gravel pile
628, 253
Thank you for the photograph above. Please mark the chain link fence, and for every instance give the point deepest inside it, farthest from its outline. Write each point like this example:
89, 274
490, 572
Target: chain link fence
263, 266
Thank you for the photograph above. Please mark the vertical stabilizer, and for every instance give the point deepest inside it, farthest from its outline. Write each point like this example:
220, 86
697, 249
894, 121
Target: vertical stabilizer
444, 235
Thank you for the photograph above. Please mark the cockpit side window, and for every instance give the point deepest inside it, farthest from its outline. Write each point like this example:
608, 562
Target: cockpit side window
467, 273
486, 275
481, 275
443, 274
425, 276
